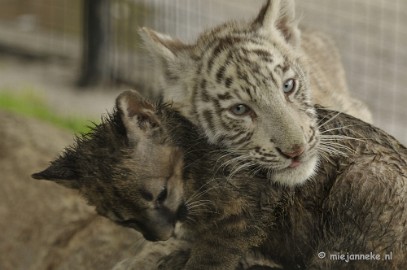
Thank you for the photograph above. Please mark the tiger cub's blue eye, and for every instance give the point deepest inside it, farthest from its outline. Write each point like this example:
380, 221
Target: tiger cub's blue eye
289, 86
240, 109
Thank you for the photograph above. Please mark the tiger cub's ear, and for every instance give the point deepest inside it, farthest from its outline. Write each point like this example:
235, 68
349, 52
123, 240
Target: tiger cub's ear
171, 56
280, 15
62, 171
138, 115
160, 44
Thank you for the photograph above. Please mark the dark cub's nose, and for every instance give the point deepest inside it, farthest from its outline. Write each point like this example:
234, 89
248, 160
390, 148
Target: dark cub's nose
157, 195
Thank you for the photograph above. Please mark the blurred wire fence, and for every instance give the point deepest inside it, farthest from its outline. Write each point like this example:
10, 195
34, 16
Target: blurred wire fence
371, 36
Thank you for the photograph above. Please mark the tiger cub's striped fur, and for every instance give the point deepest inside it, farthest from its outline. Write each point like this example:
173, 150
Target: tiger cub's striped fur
246, 86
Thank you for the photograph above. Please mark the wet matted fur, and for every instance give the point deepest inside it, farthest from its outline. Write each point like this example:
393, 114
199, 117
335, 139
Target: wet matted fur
355, 203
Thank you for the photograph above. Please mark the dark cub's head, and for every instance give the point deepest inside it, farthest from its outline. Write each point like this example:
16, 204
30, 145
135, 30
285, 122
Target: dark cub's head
127, 168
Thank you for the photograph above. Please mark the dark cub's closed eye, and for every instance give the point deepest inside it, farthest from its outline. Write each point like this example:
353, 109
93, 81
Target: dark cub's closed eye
129, 223
147, 195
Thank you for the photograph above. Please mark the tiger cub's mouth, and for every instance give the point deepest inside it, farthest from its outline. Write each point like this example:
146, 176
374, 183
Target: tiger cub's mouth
297, 170
295, 162
298, 162
290, 170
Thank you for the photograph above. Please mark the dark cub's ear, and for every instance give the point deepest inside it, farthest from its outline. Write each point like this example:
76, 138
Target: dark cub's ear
138, 115
62, 171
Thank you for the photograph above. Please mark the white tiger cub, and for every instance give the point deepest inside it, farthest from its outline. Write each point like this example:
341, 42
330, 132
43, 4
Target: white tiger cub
246, 85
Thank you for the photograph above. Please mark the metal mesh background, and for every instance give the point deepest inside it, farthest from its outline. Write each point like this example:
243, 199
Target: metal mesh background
371, 36
42, 27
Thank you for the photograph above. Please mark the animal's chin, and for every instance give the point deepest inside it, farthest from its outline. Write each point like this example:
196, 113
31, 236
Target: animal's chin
149, 233
296, 173
158, 234
156, 238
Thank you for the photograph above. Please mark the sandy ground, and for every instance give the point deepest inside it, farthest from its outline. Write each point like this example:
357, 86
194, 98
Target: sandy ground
44, 225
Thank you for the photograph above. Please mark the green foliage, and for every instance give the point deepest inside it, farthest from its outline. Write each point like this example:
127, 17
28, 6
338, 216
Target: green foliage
31, 104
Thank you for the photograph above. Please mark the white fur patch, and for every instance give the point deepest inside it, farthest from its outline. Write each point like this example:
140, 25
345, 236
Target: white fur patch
296, 176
